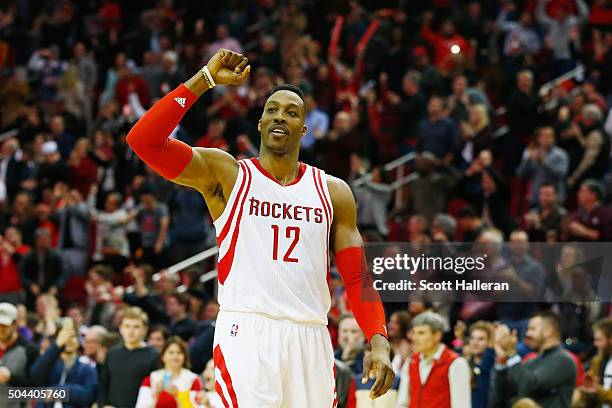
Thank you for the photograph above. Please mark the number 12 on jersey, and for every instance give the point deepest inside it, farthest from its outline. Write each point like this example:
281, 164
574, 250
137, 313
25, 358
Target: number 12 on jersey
290, 233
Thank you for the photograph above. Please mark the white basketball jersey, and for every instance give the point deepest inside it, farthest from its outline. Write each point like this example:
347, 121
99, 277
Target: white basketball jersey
273, 245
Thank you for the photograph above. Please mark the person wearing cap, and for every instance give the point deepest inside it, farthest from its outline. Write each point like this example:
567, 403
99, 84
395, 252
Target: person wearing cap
16, 354
591, 221
53, 169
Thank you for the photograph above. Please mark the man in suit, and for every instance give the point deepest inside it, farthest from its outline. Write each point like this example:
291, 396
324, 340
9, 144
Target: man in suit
42, 270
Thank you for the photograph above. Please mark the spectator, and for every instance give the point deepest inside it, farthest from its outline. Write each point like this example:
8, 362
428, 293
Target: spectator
595, 146
111, 245
73, 219
526, 278
446, 386
475, 132
153, 222
317, 125
16, 354
11, 251
521, 39
429, 189
443, 228
224, 40
351, 344
411, 108
447, 43
214, 136
480, 355
546, 217
548, 379
560, 31
158, 335
591, 222
438, 134
597, 389
470, 224
181, 324
372, 197
42, 270
174, 384
190, 224
523, 117
12, 173
127, 365
60, 366
92, 345
544, 163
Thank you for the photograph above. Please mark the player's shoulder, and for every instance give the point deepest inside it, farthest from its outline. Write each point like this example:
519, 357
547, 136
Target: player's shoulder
340, 193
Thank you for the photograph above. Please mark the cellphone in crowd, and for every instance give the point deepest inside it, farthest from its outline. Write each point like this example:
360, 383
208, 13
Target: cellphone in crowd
166, 380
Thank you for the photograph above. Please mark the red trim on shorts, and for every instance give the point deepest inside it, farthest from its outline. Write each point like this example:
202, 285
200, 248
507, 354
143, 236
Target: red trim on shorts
219, 361
220, 394
228, 222
335, 403
265, 172
224, 265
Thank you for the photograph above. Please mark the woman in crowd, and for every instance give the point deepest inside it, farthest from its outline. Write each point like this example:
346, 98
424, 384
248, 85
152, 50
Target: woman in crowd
173, 386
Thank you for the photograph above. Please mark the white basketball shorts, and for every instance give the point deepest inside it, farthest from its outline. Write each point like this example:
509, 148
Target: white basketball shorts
262, 362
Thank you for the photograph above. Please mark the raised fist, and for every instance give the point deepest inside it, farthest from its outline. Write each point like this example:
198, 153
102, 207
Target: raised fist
228, 67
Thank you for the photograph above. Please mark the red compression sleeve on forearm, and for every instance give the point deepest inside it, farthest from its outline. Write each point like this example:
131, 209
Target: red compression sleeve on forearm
363, 298
149, 136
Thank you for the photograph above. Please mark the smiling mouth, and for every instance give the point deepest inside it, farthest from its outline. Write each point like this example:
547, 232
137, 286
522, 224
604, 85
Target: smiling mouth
279, 131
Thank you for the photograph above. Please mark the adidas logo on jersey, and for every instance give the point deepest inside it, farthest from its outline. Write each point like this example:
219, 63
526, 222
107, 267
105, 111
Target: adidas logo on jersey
180, 101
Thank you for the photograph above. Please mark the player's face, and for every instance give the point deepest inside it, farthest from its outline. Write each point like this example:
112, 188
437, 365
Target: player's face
282, 122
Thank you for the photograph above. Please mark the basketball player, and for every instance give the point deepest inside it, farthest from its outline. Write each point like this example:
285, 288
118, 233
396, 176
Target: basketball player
275, 219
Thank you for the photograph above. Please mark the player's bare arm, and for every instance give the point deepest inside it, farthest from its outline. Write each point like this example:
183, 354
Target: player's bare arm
210, 171
345, 237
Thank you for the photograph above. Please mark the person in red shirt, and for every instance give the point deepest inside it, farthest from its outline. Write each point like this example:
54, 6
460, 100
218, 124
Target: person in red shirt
214, 136
447, 44
11, 251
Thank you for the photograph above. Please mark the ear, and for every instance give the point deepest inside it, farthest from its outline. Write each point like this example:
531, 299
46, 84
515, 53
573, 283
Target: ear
304, 130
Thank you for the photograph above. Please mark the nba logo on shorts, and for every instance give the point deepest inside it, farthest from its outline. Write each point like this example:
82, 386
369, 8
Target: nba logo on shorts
234, 330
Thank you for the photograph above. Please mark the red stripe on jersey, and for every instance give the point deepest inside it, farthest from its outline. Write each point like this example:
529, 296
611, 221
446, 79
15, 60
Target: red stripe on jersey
220, 394
335, 403
225, 264
219, 361
228, 222
265, 172
327, 204
321, 194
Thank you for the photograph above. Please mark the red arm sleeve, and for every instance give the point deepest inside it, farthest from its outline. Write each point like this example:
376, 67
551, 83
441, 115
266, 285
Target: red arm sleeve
363, 298
149, 136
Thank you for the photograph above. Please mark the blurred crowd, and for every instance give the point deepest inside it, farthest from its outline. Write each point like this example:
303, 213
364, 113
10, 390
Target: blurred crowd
499, 109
